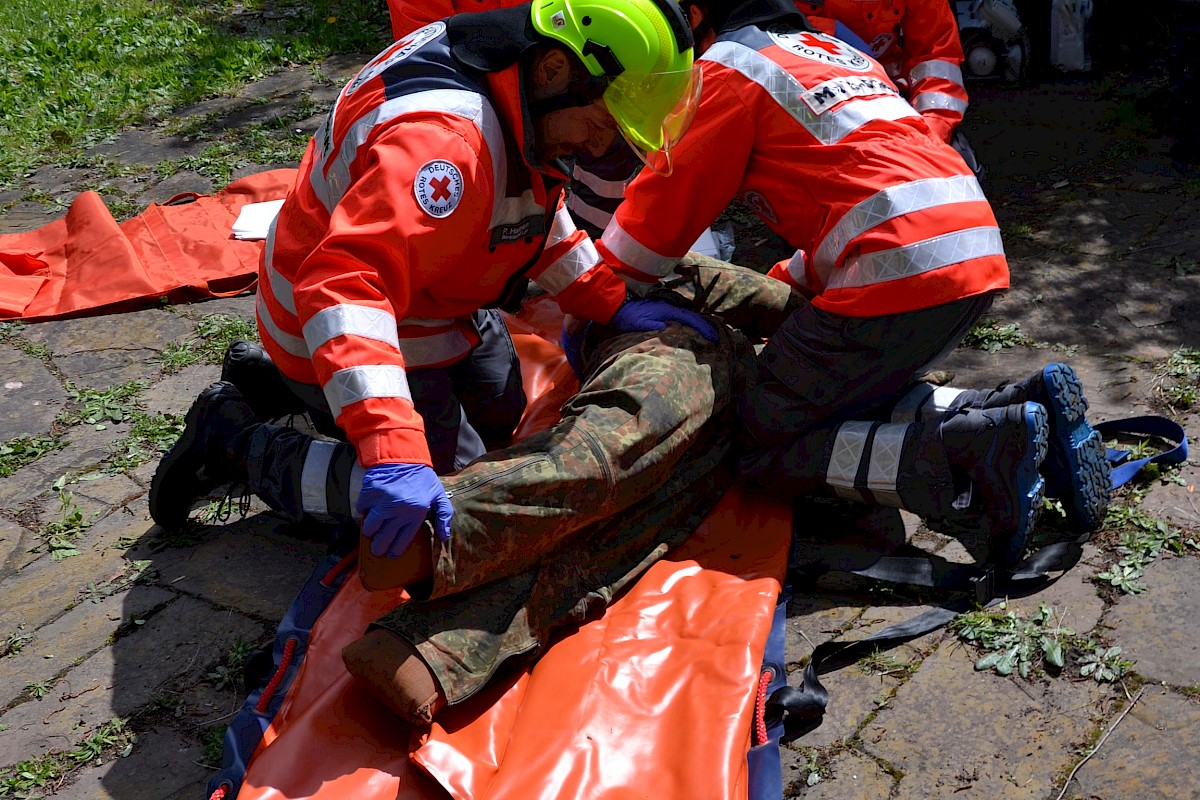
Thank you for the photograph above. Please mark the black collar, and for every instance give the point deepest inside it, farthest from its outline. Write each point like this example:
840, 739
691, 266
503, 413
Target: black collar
490, 41
760, 12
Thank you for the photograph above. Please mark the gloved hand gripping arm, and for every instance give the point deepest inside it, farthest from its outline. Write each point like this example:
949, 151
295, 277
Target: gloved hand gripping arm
395, 500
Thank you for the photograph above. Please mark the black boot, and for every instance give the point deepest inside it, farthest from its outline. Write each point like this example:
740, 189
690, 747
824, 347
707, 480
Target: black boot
998, 453
205, 456
250, 369
1076, 468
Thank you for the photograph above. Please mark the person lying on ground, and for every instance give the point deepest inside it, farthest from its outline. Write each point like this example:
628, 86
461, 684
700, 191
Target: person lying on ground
538, 535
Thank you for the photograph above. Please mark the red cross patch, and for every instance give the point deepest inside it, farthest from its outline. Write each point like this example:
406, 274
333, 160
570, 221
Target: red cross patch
820, 47
438, 188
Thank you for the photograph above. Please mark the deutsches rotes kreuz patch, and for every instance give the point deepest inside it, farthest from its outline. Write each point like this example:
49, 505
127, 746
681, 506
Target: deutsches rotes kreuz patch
438, 187
820, 47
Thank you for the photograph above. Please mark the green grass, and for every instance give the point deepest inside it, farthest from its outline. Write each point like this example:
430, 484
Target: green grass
150, 435
74, 72
28, 778
22, 450
214, 333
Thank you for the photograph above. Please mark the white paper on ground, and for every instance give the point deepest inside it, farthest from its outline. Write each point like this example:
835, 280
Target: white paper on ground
255, 218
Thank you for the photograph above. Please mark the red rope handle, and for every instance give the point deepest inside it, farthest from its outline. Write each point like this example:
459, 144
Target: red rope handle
219, 792
339, 568
289, 650
760, 707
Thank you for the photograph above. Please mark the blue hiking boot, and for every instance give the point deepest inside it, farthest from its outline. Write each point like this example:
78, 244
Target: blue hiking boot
1001, 451
1076, 468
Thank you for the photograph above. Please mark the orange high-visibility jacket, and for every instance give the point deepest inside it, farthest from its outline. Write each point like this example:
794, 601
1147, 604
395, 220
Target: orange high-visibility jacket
408, 15
813, 136
916, 41
413, 208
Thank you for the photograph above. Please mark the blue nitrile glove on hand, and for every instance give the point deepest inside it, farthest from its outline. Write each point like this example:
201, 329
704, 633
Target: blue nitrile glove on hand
574, 332
395, 500
653, 315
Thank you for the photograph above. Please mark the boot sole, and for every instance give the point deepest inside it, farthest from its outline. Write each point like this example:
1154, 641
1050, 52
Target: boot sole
1077, 470
180, 467
1031, 487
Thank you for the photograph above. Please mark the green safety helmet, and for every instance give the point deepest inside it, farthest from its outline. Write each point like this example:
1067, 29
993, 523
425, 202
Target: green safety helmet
644, 49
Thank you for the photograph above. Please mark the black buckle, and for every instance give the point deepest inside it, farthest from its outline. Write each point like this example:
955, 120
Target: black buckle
984, 585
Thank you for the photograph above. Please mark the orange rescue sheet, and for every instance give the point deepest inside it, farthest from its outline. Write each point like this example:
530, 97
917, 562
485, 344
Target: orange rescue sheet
654, 699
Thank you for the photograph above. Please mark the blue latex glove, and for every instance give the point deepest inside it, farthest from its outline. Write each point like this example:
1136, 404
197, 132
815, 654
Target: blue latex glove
572, 345
395, 500
653, 315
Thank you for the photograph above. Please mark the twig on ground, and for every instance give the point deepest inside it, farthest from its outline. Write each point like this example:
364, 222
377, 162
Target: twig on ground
1107, 733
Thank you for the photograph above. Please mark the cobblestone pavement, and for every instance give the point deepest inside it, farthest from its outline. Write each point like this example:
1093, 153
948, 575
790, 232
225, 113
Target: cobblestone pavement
1104, 242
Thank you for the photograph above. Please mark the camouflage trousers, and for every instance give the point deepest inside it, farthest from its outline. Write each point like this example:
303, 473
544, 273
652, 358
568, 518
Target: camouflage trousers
547, 531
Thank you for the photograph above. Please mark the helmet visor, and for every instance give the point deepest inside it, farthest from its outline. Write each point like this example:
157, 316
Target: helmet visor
654, 111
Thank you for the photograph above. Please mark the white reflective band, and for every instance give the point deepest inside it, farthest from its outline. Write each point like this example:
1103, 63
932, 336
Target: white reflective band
280, 287
351, 385
848, 446
908, 409
314, 476
355, 489
936, 69
889, 203
943, 397
795, 268
569, 267
511, 210
350, 320
594, 216
560, 228
828, 128
331, 179
633, 253
884, 466
439, 348
927, 101
292, 345
614, 190
915, 259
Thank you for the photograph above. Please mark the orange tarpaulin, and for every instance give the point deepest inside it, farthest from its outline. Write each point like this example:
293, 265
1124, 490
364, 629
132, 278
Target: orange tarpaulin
86, 263
652, 700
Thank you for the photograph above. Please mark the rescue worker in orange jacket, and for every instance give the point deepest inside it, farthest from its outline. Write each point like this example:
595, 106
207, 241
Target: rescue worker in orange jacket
597, 182
917, 43
432, 190
898, 253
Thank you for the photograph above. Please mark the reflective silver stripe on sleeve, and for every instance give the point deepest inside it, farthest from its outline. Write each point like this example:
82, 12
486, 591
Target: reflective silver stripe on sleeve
601, 186
281, 288
936, 69
561, 228
889, 203
632, 252
884, 466
795, 268
848, 446
939, 100
350, 320
829, 127
439, 348
355, 489
314, 476
331, 182
569, 267
595, 216
292, 345
917, 258
353, 384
